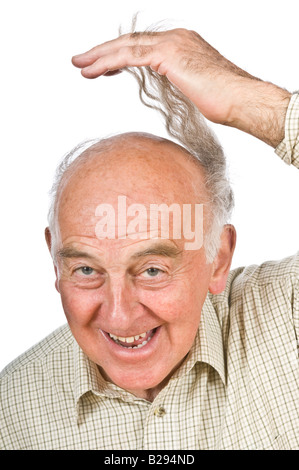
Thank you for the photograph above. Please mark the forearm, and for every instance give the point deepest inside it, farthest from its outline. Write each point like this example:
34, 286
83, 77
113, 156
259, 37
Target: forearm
222, 92
260, 109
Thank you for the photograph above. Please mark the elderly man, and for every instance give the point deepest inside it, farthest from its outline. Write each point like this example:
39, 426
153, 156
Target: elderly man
165, 347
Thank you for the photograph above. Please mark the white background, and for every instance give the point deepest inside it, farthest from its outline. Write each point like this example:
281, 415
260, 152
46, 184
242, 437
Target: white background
47, 108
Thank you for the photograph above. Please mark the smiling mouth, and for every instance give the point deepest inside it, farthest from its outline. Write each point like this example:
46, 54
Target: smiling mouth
133, 342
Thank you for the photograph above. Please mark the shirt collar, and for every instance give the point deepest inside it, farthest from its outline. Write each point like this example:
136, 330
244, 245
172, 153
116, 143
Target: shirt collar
210, 340
87, 377
208, 344
207, 347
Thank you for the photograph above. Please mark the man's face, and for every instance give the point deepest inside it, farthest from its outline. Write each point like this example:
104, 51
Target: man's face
132, 305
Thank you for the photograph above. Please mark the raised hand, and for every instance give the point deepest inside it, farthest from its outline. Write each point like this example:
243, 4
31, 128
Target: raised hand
223, 92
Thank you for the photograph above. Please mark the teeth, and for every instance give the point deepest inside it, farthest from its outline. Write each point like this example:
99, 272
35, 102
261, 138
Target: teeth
131, 339
128, 339
143, 335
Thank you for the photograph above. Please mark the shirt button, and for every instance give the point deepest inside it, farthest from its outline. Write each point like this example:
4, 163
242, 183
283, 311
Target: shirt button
160, 411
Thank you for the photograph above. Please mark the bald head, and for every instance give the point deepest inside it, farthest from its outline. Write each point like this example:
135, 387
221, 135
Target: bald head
127, 161
144, 168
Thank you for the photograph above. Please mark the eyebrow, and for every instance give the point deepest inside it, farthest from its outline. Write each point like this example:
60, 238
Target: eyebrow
160, 249
69, 252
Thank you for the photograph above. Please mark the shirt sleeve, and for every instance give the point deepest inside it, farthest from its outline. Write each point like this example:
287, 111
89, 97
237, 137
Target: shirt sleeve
288, 149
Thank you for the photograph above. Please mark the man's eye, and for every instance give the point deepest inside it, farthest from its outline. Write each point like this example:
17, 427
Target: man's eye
86, 270
152, 272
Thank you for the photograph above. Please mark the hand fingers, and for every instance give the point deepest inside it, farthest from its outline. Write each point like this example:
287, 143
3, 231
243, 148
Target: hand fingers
89, 57
128, 56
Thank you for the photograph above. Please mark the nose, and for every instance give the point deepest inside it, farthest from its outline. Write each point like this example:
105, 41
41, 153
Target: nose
120, 309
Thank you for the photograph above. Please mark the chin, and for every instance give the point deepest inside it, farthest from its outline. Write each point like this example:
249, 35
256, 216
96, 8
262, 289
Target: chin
142, 384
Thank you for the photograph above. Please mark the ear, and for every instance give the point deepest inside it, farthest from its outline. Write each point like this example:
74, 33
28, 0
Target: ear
48, 238
222, 262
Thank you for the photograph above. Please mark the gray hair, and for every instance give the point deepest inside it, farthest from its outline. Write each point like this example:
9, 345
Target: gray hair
186, 125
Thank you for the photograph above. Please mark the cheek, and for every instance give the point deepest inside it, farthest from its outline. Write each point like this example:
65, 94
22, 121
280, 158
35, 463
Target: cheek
183, 298
175, 303
79, 305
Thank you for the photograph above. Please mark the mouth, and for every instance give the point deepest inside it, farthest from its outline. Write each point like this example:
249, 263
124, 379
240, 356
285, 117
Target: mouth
133, 342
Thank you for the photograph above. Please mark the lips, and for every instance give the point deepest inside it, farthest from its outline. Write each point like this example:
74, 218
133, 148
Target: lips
133, 342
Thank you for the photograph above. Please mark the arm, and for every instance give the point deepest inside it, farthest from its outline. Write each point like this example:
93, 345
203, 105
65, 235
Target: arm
223, 92
288, 149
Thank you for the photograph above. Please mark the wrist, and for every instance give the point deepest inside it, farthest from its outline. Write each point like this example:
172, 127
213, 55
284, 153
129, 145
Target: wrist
260, 109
